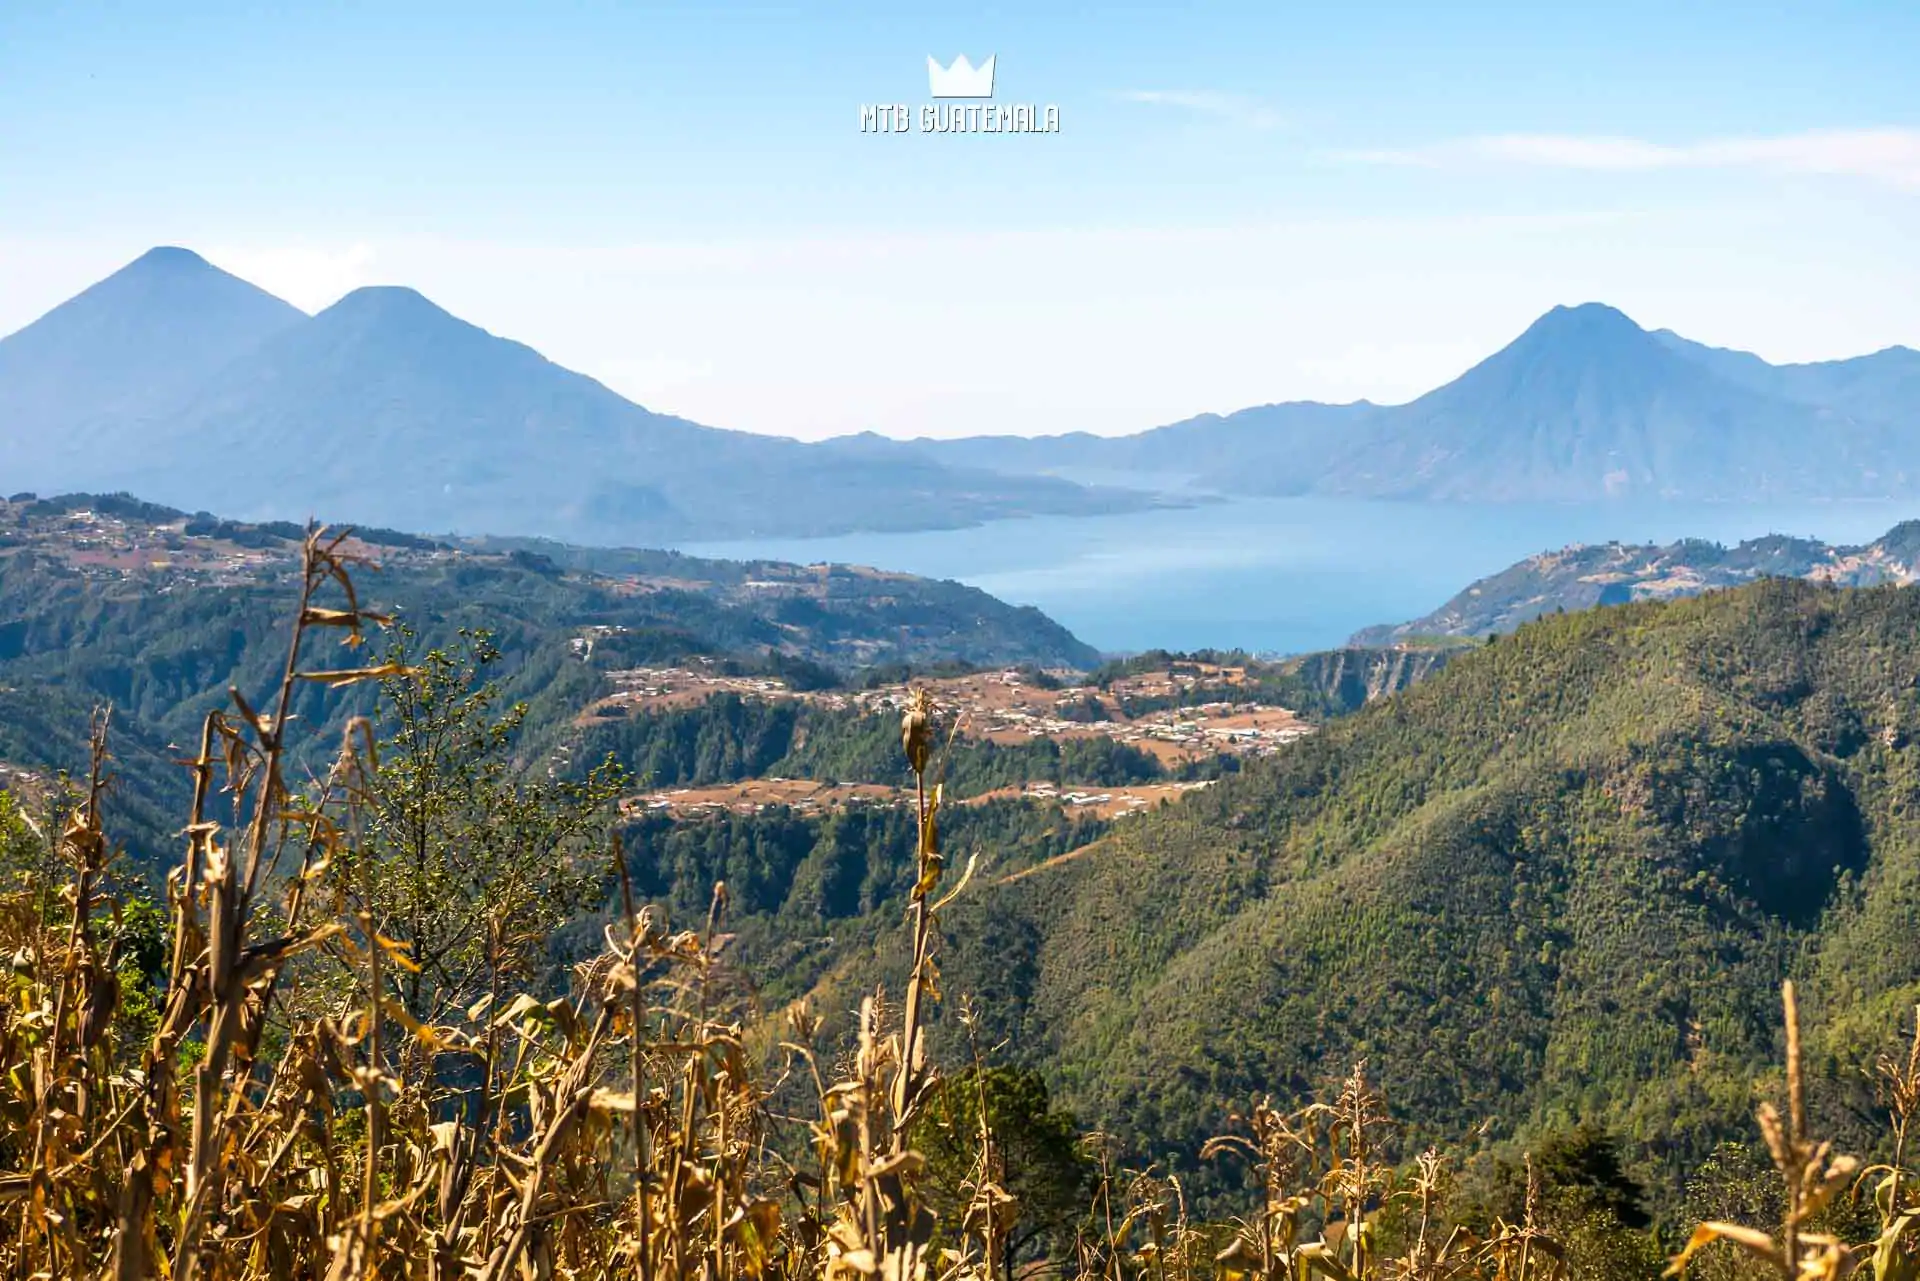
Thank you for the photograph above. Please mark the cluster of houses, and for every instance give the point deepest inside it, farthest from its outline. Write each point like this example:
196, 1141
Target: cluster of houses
641, 686
99, 546
1205, 729
755, 795
1115, 803
1006, 707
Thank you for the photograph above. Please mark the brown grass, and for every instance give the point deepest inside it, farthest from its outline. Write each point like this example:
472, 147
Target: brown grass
640, 1126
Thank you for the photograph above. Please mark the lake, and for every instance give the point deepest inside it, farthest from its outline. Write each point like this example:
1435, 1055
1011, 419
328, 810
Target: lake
1282, 575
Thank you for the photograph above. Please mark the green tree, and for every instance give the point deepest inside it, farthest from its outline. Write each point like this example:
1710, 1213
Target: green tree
1030, 1150
470, 859
1586, 1199
1736, 1184
1579, 1169
24, 856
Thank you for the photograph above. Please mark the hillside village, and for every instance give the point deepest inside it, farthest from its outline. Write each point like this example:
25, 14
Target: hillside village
113, 538
811, 796
1008, 707
1013, 706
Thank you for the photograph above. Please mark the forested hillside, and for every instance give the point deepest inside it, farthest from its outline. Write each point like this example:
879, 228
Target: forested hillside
1556, 879
1438, 884
806, 892
1559, 880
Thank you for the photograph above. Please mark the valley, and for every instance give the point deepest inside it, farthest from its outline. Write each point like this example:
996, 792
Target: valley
1684, 798
735, 687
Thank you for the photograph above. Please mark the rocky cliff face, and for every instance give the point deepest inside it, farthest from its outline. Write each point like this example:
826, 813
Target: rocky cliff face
1348, 679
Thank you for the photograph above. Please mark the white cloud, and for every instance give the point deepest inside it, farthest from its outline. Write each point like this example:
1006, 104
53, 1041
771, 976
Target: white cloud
1234, 108
1890, 155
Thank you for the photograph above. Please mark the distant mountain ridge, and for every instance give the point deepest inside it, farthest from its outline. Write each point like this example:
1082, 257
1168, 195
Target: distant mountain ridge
1207, 446
1868, 385
179, 381
175, 379
1585, 405
1584, 576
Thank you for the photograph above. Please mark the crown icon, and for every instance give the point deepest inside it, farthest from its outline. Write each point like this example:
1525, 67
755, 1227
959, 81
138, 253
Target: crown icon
962, 79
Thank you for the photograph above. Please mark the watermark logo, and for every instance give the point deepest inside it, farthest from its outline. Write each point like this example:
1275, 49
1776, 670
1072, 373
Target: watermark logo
952, 82
962, 79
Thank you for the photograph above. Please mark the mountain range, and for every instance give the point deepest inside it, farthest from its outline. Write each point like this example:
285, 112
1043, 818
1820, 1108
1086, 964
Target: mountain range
1585, 405
176, 380
185, 384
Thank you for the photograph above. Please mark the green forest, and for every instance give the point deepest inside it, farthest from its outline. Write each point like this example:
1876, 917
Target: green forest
1556, 884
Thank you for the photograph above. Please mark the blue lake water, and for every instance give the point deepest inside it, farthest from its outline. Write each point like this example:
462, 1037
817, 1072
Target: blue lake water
1282, 575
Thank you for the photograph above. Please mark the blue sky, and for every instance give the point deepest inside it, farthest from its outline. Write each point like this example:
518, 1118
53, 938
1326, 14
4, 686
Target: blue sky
1245, 203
